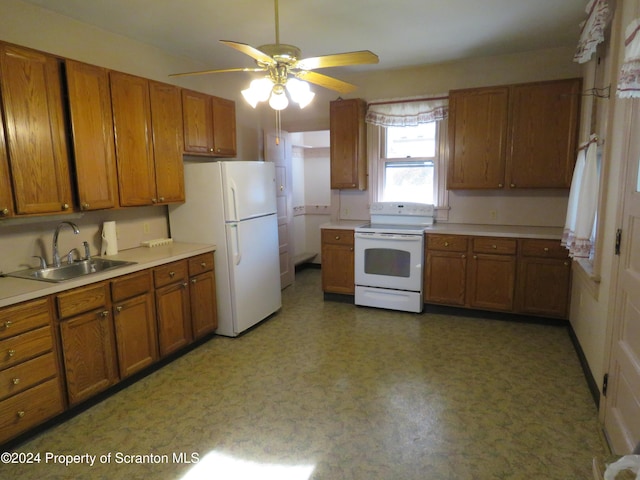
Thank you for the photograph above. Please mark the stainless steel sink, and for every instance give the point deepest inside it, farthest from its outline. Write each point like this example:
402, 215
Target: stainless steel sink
70, 271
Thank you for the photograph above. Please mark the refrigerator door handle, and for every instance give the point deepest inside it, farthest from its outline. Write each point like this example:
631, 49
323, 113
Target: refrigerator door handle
235, 243
234, 199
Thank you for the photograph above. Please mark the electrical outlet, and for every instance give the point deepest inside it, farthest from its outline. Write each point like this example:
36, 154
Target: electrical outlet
493, 214
145, 227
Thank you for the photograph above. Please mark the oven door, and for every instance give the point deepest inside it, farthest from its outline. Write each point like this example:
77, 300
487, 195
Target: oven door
389, 260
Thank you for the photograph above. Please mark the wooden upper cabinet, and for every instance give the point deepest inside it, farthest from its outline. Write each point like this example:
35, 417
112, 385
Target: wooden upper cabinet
348, 147
209, 124
92, 135
30, 83
134, 145
515, 136
166, 116
543, 134
477, 136
6, 199
224, 126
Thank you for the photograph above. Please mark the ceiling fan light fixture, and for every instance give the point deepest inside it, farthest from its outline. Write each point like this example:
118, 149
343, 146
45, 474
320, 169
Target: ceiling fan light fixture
300, 92
278, 99
258, 91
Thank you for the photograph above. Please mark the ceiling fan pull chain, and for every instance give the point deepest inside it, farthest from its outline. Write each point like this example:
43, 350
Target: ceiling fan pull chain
277, 23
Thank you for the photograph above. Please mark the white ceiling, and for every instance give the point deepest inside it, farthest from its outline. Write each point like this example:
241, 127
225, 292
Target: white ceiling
402, 33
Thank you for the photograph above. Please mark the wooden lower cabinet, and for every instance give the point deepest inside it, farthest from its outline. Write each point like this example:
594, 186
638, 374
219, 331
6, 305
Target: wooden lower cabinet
172, 307
135, 322
525, 276
544, 278
30, 382
202, 293
337, 261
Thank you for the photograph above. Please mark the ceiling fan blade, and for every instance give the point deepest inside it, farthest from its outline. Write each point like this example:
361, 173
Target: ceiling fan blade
206, 72
338, 60
326, 81
249, 50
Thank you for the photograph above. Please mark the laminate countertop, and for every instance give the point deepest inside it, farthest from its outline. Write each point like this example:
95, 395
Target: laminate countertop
16, 290
512, 231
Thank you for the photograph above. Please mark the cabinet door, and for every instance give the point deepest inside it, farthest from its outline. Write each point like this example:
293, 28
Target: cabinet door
337, 269
89, 354
224, 126
445, 277
477, 137
348, 144
136, 337
491, 282
6, 198
134, 146
543, 134
197, 122
166, 115
173, 315
543, 286
93, 140
204, 309
36, 137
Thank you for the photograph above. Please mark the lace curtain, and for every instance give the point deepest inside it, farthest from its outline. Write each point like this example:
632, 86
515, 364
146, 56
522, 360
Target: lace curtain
407, 112
629, 82
592, 32
583, 202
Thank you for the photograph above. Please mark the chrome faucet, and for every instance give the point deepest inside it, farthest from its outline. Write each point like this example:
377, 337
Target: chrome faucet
56, 255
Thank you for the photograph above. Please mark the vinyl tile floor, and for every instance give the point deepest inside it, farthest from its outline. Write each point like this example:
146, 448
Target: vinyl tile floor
325, 390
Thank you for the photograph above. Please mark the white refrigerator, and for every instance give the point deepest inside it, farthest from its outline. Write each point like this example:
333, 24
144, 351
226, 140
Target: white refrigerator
232, 204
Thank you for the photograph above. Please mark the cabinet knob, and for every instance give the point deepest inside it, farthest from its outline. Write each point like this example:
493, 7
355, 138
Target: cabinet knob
162, 199
500, 185
15, 381
566, 264
4, 211
85, 206
513, 185
20, 413
446, 244
193, 280
65, 206
7, 324
185, 284
463, 256
119, 308
203, 264
546, 249
494, 246
154, 200
337, 237
475, 257
172, 274
104, 313
211, 149
12, 353
281, 188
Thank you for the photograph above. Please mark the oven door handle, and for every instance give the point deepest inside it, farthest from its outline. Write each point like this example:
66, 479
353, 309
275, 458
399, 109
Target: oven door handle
388, 236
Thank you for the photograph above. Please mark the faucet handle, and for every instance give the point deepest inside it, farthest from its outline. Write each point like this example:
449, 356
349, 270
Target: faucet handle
43, 262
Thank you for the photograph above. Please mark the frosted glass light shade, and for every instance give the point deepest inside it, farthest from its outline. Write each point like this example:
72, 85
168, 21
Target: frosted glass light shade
278, 100
300, 92
258, 91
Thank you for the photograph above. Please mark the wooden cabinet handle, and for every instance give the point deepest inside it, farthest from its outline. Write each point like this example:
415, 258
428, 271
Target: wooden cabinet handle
20, 413
15, 381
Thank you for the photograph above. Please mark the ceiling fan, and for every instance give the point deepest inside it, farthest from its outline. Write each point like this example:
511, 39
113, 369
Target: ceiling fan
287, 72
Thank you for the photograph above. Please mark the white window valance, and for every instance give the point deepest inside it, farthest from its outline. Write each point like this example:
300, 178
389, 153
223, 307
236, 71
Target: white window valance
407, 112
629, 82
583, 202
592, 33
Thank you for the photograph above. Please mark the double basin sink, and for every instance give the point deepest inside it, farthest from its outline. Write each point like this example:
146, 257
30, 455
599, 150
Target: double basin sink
70, 271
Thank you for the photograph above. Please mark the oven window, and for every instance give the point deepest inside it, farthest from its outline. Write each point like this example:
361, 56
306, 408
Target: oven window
387, 261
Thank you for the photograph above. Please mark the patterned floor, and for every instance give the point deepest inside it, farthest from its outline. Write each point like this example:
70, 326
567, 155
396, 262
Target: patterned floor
325, 390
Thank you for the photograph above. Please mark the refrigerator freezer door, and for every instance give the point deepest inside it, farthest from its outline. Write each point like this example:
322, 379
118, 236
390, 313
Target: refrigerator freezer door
254, 271
249, 189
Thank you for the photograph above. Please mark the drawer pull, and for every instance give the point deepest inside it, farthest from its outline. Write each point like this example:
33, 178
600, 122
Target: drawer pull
20, 413
15, 381
203, 264
4, 211
494, 246
193, 280
7, 324
463, 256
337, 237
104, 313
566, 264
172, 274
12, 353
475, 257
119, 308
446, 244
185, 285
546, 249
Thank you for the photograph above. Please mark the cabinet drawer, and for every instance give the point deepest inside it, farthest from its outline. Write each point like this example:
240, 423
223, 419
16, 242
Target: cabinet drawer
337, 237
23, 317
27, 345
543, 248
503, 246
450, 243
131, 285
29, 408
170, 273
200, 263
27, 374
82, 299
